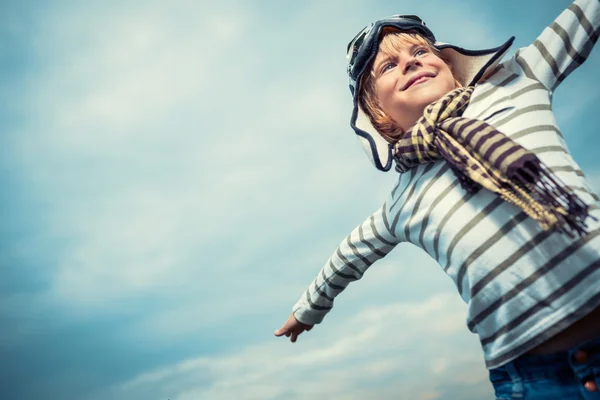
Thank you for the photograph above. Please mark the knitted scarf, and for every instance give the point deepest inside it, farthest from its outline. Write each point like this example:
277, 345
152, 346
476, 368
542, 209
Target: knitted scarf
481, 156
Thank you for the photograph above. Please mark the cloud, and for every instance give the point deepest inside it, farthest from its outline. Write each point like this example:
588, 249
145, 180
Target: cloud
140, 196
122, 68
388, 350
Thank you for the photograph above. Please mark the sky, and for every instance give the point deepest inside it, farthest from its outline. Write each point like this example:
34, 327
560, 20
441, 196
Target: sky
174, 174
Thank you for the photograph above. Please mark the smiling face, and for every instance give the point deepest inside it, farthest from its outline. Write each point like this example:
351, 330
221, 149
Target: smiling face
402, 57
407, 76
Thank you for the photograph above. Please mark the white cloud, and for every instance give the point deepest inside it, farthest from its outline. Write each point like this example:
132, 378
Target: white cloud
392, 347
140, 201
439, 365
124, 69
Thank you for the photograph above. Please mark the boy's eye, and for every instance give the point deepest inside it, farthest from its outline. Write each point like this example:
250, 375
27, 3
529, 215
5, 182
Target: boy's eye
387, 67
420, 52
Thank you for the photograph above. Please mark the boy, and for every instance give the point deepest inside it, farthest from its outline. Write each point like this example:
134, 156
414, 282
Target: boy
488, 189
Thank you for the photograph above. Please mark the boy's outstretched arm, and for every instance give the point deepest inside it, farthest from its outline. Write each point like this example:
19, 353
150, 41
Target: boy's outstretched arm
369, 242
564, 45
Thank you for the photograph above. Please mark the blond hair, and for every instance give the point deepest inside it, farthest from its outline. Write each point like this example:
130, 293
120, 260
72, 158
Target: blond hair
392, 42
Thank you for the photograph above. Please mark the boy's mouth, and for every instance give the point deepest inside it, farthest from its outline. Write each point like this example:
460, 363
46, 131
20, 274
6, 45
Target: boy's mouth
418, 78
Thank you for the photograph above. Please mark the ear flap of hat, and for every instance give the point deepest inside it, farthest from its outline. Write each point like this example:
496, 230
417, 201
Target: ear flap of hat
470, 66
377, 148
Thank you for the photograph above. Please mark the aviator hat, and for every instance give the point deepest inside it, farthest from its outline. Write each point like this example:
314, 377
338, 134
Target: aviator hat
468, 67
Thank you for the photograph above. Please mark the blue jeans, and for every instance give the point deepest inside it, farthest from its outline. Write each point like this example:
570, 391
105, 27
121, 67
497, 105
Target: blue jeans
550, 376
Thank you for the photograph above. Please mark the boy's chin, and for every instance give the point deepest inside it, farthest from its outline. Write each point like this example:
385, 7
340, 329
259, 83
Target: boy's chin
426, 97
417, 111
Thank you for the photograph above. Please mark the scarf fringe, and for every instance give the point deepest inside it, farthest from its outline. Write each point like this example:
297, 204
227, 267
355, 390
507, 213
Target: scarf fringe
545, 198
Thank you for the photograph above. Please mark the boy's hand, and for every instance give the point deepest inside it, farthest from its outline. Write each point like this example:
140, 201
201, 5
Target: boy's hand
292, 328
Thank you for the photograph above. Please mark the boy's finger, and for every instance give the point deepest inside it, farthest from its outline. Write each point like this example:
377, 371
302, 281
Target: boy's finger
279, 332
294, 337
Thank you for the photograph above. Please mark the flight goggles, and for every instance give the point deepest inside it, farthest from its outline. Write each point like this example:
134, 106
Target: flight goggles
363, 47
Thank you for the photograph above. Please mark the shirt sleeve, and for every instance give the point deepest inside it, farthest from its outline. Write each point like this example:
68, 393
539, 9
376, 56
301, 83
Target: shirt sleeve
564, 45
369, 242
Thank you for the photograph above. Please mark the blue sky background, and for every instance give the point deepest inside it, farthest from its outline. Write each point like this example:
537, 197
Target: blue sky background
174, 174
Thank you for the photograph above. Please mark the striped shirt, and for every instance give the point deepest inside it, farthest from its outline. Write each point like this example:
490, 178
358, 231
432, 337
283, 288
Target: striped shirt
521, 284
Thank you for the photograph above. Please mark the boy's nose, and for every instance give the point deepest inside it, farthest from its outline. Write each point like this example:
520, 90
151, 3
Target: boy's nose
411, 63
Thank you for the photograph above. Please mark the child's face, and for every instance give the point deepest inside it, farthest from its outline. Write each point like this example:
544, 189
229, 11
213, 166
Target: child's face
409, 79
